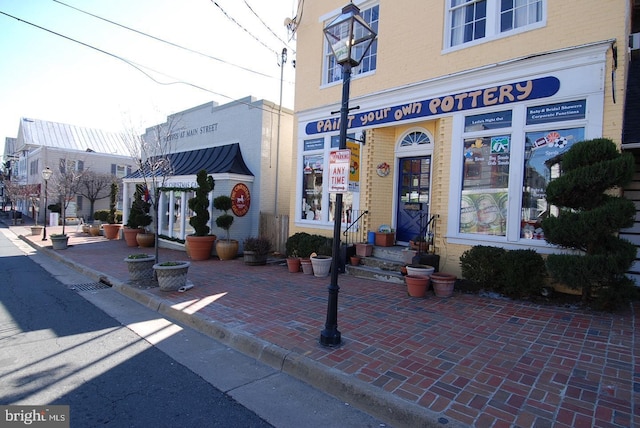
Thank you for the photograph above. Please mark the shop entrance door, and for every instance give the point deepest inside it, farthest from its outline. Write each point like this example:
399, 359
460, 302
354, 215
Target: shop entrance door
413, 196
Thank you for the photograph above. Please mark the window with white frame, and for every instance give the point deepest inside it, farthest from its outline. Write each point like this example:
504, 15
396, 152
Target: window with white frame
333, 71
471, 20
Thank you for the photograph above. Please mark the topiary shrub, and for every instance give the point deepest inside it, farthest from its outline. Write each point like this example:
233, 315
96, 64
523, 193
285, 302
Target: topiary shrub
589, 217
200, 204
522, 274
139, 213
113, 198
224, 221
480, 264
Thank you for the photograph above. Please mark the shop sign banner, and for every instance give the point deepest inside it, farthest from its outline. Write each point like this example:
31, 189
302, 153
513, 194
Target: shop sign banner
572, 110
339, 170
240, 199
508, 93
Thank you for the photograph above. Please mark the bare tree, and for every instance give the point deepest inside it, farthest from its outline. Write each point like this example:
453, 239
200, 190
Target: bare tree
150, 153
66, 182
95, 186
25, 192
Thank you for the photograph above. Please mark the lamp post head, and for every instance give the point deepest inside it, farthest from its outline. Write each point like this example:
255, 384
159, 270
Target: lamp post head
46, 173
349, 36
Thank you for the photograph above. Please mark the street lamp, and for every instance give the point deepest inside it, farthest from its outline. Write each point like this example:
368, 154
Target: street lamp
46, 175
349, 37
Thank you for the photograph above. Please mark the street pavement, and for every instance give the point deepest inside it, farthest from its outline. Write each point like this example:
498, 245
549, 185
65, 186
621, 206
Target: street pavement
468, 360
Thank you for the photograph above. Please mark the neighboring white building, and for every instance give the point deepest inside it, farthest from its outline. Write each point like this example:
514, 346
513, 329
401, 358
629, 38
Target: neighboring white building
41, 144
245, 145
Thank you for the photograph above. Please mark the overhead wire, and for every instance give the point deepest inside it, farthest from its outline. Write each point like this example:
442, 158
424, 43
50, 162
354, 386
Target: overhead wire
232, 19
133, 64
163, 40
267, 27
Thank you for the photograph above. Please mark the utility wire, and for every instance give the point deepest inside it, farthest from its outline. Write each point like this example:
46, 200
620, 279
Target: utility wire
243, 28
163, 41
135, 65
266, 26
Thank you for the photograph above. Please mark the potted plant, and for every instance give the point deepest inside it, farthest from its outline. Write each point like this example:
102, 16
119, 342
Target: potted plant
227, 249
59, 241
140, 266
112, 228
201, 242
256, 250
417, 285
171, 275
321, 260
139, 218
443, 284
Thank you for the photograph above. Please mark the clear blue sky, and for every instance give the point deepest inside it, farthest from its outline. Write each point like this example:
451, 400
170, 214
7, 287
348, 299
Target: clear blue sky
44, 76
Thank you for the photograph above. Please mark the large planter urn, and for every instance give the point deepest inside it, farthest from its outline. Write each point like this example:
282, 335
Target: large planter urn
226, 249
59, 242
36, 230
321, 265
200, 246
140, 266
146, 239
130, 236
111, 231
171, 275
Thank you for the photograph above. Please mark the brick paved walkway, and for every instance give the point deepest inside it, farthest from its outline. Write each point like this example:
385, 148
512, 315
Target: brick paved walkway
466, 360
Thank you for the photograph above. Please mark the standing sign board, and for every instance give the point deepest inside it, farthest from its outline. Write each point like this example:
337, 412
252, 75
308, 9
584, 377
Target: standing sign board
339, 167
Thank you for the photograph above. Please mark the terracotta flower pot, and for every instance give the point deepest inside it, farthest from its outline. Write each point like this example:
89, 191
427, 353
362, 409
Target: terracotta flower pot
130, 236
200, 246
226, 249
293, 264
307, 267
146, 239
111, 231
443, 284
417, 285
355, 260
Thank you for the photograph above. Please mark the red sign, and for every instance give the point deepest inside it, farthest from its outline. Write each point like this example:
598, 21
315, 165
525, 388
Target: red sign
240, 199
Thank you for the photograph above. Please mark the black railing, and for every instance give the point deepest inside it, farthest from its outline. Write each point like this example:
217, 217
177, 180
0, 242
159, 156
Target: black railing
427, 232
354, 232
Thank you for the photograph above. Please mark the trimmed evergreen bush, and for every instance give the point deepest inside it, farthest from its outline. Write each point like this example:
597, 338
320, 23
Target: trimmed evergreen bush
302, 244
199, 204
481, 264
588, 220
224, 221
113, 198
139, 213
522, 274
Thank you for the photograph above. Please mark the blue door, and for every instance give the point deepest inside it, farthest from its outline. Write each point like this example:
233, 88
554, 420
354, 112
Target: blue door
413, 196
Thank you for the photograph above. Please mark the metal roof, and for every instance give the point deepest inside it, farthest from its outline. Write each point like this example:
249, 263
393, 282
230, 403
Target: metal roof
40, 133
215, 160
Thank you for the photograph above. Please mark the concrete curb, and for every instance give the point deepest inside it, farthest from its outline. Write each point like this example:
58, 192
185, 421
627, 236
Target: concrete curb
370, 400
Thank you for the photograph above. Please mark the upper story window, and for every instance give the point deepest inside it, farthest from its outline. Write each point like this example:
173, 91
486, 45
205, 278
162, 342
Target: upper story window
470, 20
333, 71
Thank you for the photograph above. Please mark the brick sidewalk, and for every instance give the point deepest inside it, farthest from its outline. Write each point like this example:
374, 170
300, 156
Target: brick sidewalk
465, 361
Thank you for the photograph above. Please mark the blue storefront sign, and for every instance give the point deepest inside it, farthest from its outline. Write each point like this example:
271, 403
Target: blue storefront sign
497, 95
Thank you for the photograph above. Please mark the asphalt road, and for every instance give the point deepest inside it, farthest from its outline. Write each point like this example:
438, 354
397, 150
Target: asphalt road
67, 340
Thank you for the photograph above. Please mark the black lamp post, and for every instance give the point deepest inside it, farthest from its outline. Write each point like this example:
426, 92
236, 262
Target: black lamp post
46, 175
349, 37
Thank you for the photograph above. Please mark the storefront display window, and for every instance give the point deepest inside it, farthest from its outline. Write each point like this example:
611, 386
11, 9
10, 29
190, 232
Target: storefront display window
312, 180
483, 205
539, 169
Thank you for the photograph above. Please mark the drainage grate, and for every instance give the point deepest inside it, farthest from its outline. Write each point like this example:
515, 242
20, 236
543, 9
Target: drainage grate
91, 286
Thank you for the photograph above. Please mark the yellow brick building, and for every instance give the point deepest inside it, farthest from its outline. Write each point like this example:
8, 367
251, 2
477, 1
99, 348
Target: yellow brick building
455, 110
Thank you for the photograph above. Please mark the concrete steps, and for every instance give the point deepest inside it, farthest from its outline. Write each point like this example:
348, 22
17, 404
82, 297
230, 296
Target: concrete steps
384, 264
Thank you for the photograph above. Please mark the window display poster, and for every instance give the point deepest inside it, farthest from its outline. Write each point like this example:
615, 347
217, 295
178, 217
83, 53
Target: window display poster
484, 212
539, 148
312, 186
